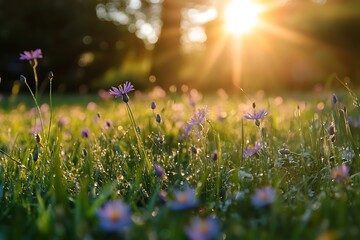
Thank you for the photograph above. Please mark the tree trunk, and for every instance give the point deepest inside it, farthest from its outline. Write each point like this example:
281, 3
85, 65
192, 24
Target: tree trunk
167, 52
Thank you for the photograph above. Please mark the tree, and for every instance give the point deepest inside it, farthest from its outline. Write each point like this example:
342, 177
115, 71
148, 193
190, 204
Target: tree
167, 57
76, 46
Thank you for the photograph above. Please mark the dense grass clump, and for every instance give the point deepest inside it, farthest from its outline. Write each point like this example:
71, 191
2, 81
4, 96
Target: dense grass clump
155, 166
178, 166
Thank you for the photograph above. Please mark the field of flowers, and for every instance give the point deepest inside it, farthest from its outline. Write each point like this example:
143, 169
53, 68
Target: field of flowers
180, 165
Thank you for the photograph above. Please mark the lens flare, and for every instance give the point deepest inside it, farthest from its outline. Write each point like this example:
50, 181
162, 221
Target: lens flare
241, 16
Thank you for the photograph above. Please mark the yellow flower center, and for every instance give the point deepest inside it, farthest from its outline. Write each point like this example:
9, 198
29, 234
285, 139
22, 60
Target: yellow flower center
182, 197
204, 228
263, 196
114, 216
337, 174
251, 147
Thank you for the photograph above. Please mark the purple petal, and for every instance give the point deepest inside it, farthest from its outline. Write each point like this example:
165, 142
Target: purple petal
37, 53
115, 92
249, 116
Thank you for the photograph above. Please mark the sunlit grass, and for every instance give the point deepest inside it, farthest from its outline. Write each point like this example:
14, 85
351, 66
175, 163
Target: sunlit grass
59, 193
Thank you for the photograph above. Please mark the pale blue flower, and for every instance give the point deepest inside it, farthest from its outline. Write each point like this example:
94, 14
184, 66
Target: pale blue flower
256, 116
203, 229
184, 199
253, 149
114, 216
199, 116
263, 197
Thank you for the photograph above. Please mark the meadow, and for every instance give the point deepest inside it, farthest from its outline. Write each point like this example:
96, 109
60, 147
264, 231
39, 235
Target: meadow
179, 165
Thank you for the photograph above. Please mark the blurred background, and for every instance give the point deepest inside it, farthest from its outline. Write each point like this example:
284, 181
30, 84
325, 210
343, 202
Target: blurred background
205, 44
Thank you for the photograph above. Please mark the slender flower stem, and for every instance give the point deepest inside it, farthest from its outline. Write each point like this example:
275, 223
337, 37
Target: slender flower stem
138, 138
36, 103
51, 106
35, 77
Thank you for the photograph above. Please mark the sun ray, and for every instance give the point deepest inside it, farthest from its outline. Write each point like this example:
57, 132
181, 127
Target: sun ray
287, 34
213, 57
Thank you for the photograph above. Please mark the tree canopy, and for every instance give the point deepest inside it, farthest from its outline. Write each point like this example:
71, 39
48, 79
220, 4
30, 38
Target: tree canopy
96, 43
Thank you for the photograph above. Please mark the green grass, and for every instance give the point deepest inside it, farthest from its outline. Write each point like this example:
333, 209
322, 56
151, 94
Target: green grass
58, 195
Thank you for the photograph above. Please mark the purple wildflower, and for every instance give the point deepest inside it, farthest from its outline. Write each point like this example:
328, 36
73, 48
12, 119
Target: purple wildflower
31, 55
256, 116
114, 216
122, 90
339, 173
198, 117
263, 196
159, 171
202, 229
186, 131
253, 149
184, 199
85, 133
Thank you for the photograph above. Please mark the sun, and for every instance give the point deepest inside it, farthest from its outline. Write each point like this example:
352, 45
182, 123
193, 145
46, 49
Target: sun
241, 16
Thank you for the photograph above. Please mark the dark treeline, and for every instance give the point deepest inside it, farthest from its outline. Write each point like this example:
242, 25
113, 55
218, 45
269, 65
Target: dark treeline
310, 44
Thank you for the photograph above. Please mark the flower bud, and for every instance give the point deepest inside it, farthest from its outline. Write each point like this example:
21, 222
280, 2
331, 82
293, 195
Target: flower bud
84, 152
35, 156
334, 99
331, 130
85, 133
37, 138
153, 105
194, 150
158, 118
22, 78
108, 124
125, 98
215, 156
159, 171
51, 75
284, 151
